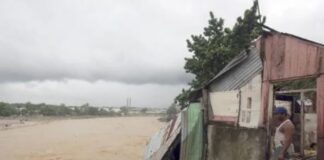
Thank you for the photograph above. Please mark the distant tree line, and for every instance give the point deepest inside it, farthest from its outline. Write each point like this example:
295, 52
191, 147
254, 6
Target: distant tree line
172, 112
42, 109
29, 109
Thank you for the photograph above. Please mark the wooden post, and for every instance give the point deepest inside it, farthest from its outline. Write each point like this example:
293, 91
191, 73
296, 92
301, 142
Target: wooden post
320, 117
240, 108
271, 99
264, 104
266, 113
205, 102
302, 123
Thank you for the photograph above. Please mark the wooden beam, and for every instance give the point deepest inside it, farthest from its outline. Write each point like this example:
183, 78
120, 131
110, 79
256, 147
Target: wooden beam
269, 118
264, 104
205, 102
266, 113
320, 117
320, 146
297, 91
302, 124
275, 81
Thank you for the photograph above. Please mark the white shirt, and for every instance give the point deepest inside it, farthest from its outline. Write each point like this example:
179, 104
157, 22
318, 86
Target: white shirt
279, 137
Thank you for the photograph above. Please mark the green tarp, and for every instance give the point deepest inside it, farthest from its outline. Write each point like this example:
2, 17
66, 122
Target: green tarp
192, 133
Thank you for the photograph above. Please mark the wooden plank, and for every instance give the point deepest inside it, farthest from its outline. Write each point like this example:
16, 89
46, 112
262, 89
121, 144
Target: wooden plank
320, 153
321, 63
320, 117
320, 107
225, 119
264, 104
302, 123
205, 102
206, 107
269, 116
296, 91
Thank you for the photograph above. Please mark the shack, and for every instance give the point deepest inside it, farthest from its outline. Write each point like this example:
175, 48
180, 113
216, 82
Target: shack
236, 106
239, 100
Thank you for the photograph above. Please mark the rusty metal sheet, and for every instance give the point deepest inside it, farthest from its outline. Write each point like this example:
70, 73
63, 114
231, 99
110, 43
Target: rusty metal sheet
268, 49
274, 52
278, 57
302, 58
288, 57
156, 150
155, 143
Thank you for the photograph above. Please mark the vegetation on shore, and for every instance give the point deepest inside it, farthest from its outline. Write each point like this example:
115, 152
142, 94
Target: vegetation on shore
42, 109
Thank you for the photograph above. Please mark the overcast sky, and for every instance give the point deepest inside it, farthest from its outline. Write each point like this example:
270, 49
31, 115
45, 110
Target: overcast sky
103, 51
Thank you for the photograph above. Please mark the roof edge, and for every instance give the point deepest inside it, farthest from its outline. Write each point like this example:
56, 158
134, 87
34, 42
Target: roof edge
271, 30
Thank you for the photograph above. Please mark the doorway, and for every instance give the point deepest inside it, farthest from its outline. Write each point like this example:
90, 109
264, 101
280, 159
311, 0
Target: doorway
299, 98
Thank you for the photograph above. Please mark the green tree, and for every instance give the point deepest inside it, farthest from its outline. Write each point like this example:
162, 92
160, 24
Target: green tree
210, 51
32, 109
144, 110
183, 98
217, 45
62, 110
246, 29
48, 111
124, 110
7, 110
103, 112
93, 111
171, 112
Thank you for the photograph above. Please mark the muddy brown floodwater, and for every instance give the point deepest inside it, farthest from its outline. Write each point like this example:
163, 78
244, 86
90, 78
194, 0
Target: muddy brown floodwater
122, 138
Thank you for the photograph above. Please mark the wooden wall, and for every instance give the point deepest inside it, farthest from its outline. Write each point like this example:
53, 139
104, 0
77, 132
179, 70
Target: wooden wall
320, 116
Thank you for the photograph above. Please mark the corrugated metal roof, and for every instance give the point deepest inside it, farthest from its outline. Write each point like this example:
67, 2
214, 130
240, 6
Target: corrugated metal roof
291, 35
234, 62
238, 72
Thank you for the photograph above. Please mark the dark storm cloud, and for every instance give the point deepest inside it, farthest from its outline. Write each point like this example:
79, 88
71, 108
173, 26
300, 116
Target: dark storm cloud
103, 40
127, 41
20, 68
101, 51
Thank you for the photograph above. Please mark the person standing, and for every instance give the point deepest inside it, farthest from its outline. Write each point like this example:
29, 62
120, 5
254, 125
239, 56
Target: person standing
283, 147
